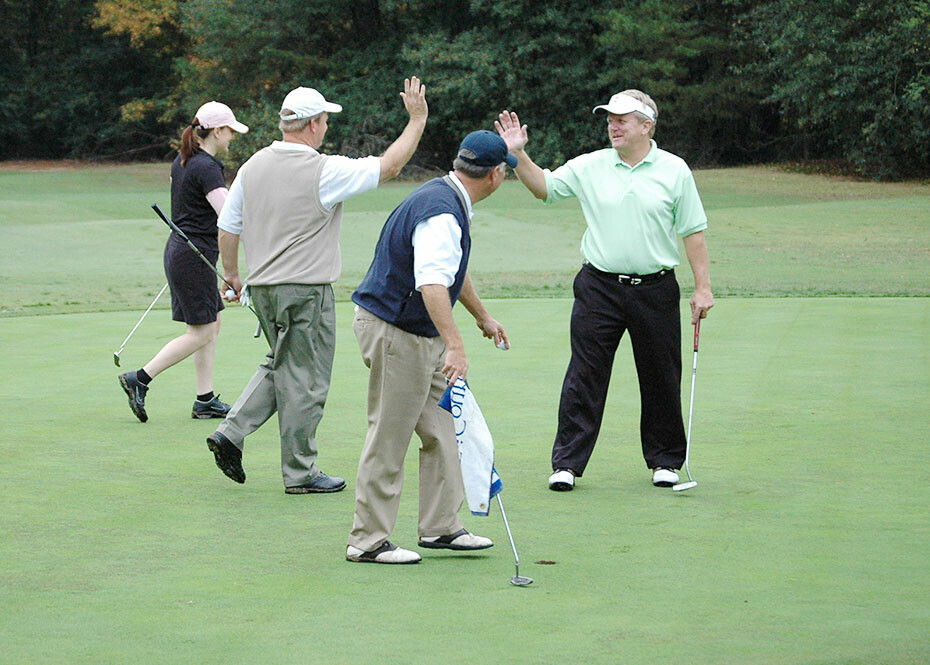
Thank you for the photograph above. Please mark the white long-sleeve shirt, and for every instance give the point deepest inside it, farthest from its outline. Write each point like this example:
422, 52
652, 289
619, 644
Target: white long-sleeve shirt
437, 245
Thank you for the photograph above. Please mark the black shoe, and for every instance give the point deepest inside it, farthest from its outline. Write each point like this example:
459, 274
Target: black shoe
212, 409
228, 457
322, 483
136, 390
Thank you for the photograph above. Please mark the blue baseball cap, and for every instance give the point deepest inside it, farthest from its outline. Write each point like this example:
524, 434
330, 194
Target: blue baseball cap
484, 148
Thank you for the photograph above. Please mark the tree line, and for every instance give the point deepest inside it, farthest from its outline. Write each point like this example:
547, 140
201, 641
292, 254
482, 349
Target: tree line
842, 82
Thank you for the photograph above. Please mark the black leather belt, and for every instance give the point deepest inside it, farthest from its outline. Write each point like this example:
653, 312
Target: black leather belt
632, 280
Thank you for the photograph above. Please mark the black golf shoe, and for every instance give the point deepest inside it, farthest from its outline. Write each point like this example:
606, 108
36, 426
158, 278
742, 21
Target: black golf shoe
212, 409
228, 457
136, 390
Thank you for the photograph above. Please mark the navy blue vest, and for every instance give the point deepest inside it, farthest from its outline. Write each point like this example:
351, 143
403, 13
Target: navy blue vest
388, 290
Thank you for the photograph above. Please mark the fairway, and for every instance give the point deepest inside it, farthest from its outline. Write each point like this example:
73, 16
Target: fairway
804, 543
801, 544
86, 240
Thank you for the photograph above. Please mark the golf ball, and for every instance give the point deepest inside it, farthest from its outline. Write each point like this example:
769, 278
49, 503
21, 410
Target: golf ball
230, 294
502, 346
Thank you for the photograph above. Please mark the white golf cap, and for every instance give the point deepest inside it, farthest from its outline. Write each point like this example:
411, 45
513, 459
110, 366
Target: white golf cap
306, 103
621, 104
217, 114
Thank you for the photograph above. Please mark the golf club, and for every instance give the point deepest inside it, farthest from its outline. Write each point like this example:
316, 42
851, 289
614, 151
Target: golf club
518, 579
681, 487
183, 236
123, 345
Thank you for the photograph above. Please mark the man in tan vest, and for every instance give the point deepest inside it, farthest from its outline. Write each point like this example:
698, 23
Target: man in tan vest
286, 206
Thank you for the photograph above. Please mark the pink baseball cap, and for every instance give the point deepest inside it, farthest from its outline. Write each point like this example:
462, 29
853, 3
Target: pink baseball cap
217, 114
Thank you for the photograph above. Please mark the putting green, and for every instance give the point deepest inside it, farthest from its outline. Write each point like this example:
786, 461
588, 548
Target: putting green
805, 541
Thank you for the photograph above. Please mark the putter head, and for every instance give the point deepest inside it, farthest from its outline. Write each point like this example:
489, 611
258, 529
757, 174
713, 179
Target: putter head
116, 359
681, 487
520, 580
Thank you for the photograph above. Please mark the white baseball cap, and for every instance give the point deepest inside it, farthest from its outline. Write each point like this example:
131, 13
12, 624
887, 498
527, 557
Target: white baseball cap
217, 114
621, 104
306, 103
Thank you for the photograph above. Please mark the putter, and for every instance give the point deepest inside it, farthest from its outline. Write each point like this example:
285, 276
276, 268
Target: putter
518, 579
123, 345
183, 236
681, 487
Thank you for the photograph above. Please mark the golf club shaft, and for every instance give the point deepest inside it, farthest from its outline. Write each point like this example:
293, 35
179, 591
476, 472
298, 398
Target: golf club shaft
141, 318
174, 227
183, 236
509, 535
697, 334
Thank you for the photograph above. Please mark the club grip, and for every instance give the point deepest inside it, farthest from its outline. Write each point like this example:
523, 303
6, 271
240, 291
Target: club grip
697, 334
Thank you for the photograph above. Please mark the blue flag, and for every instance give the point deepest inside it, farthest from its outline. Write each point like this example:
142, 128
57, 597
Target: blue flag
476, 447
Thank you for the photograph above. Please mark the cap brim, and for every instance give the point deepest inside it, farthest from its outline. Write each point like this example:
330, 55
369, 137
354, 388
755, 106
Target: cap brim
237, 126
329, 107
617, 109
621, 108
511, 160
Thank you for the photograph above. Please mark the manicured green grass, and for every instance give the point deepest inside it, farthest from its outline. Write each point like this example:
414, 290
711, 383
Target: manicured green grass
771, 234
805, 541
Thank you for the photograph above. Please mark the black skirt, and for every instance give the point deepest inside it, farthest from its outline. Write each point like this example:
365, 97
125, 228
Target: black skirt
195, 297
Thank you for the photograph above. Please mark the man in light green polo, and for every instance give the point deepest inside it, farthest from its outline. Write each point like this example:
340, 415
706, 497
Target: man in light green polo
637, 200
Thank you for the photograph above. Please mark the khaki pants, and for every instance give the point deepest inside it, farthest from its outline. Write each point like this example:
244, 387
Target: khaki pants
404, 388
299, 322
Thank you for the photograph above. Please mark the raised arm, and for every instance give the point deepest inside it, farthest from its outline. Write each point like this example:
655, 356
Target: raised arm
515, 135
703, 299
400, 152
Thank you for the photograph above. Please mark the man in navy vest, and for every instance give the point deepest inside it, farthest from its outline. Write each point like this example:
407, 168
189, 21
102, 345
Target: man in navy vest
409, 341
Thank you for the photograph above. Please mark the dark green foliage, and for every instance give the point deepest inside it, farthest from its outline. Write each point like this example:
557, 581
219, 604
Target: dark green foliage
852, 79
684, 56
62, 84
736, 81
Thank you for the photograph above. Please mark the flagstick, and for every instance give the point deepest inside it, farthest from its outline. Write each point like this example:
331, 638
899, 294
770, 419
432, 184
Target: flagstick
516, 580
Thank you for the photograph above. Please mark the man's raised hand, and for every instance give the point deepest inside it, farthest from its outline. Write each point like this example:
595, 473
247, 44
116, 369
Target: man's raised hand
509, 128
414, 96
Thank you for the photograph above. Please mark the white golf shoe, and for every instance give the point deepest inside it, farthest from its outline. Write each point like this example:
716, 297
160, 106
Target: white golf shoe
664, 477
562, 480
388, 552
461, 540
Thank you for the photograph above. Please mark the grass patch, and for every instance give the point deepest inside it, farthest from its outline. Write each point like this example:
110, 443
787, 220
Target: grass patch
801, 545
84, 239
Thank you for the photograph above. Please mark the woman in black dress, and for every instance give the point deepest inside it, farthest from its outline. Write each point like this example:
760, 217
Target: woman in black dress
198, 191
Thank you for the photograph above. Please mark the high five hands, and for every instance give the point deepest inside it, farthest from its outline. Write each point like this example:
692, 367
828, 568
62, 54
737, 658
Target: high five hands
509, 128
414, 96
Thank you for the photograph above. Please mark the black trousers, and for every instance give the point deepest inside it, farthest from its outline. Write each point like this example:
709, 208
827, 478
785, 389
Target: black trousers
603, 310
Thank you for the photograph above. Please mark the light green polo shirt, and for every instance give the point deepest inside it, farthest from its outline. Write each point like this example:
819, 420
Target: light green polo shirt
634, 214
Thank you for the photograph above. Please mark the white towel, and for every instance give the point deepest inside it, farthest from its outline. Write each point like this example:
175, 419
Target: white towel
476, 447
